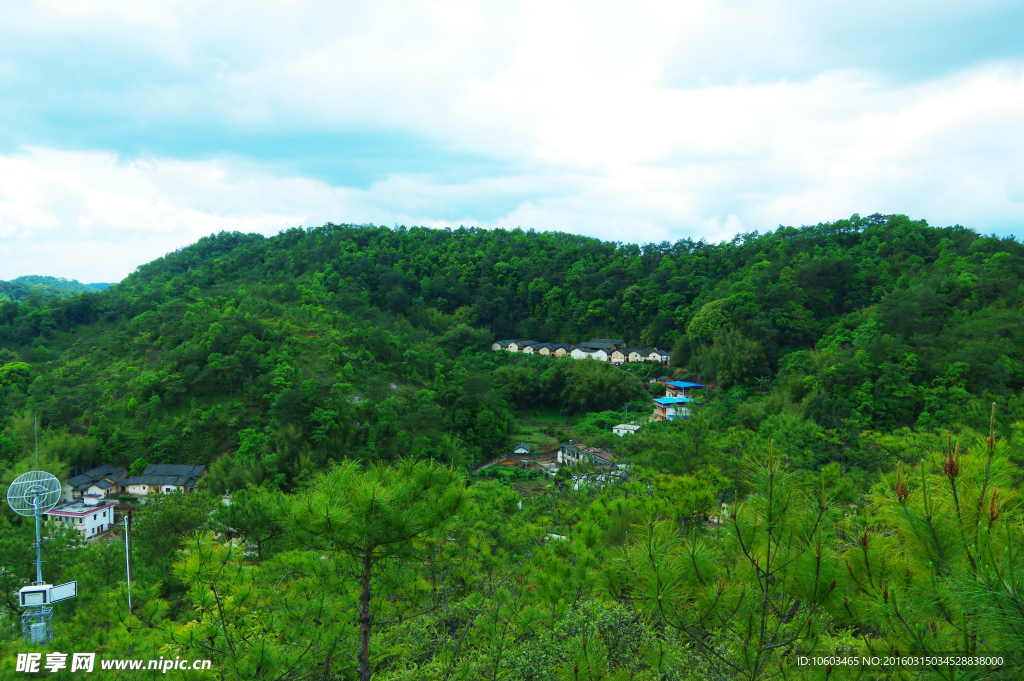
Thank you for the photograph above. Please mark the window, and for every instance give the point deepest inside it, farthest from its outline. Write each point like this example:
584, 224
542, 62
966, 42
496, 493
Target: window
94, 516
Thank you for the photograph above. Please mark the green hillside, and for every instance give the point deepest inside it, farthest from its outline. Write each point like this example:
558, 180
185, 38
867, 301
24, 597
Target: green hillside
21, 288
863, 324
847, 489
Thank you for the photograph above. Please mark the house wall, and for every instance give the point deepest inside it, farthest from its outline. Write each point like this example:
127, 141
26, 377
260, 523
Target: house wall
89, 524
139, 490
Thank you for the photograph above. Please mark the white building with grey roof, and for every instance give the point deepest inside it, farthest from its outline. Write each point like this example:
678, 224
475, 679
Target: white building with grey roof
163, 478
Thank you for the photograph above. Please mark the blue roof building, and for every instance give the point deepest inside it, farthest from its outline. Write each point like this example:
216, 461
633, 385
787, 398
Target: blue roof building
681, 388
668, 408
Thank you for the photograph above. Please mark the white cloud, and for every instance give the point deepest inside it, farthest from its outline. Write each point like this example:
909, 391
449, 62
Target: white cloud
634, 123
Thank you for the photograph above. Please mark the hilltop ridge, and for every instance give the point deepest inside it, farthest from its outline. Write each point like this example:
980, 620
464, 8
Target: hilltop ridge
288, 344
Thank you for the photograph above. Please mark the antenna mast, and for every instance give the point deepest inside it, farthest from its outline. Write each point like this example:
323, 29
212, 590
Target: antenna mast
32, 494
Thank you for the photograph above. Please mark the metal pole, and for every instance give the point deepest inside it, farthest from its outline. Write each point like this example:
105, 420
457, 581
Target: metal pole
39, 544
35, 427
127, 561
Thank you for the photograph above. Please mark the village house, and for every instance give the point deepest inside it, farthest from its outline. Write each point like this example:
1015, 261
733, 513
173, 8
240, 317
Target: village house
518, 345
163, 478
90, 515
668, 408
658, 356
570, 454
636, 354
626, 429
102, 480
522, 448
612, 350
606, 344
681, 388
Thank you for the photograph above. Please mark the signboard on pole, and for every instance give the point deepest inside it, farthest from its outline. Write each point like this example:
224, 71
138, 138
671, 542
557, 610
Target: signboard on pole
63, 592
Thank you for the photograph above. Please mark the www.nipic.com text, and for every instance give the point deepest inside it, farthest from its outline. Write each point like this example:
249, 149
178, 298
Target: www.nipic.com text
32, 663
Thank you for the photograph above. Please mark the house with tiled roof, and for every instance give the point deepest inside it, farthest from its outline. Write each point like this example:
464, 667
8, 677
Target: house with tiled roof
162, 478
657, 355
606, 344
635, 354
502, 344
518, 345
101, 480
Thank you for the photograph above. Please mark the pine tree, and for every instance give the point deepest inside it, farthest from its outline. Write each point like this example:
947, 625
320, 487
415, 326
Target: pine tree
370, 517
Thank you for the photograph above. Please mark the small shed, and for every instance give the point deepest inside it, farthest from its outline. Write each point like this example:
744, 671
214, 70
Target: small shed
626, 429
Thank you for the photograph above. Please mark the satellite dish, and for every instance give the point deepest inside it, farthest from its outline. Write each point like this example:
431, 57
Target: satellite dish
33, 492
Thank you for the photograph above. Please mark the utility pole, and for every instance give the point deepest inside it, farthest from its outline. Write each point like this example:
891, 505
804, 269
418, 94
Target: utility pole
127, 555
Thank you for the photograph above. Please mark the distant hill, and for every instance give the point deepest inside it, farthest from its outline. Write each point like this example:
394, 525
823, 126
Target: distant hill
20, 288
370, 342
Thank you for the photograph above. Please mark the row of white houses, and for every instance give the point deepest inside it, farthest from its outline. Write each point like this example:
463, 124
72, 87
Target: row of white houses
611, 350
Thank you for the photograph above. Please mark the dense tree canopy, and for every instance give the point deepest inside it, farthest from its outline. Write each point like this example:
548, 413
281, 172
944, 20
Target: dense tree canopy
324, 371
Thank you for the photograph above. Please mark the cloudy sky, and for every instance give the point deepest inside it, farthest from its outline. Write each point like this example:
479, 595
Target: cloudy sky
129, 129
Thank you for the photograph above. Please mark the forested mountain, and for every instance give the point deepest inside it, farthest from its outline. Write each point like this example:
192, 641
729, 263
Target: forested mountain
863, 427
47, 287
868, 323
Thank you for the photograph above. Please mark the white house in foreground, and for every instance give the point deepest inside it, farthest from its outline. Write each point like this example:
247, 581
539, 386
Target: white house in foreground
90, 515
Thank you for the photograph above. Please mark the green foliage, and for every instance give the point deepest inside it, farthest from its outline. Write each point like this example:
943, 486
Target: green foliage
734, 359
371, 517
872, 323
253, 515
711, 319
598, 422
848, 350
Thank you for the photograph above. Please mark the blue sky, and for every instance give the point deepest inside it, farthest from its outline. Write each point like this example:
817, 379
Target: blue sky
130, 129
